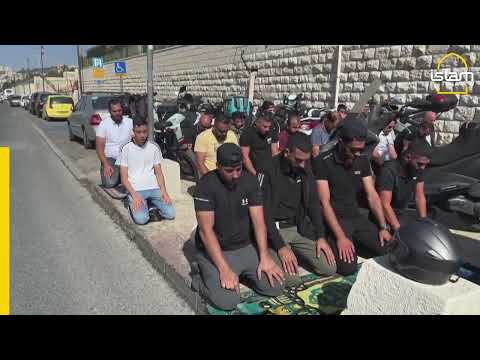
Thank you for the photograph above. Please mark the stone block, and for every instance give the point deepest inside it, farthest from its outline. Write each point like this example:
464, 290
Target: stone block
373, 65
463, 113
369, 54
379, 290
400, 75
407, 63
361, 65
363, 76
386, 75
459, 49
356, 55
390, 87
419, 50
416, 75
374, 75
353, 76
317, 69
407, 50
348, 86
451, 126
387, 64
437, 49
358, 87
381, 52
424, 62
395, 51
423, 86
171, 173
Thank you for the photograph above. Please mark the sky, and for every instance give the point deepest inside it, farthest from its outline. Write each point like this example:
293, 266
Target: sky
15, 56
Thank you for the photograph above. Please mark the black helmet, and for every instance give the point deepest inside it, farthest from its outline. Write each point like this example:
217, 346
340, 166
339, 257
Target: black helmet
425, 251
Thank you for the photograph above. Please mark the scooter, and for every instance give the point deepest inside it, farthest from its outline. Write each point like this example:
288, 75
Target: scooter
452, 179
176, 150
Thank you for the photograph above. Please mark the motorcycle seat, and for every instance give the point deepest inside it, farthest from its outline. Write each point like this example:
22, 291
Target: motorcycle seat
443, 182
474, 191
457, 150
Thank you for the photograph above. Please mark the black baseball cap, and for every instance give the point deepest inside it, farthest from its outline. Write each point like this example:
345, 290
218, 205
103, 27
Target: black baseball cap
353, 129
229, 155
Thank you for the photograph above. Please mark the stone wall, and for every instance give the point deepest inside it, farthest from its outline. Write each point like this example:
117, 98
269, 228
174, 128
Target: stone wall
215, 71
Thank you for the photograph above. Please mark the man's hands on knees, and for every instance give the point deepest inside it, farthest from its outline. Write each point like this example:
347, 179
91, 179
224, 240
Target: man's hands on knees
273, 272
137, 202
384, 236
289, 260
321, 245
107, 170
346, 249
229, 280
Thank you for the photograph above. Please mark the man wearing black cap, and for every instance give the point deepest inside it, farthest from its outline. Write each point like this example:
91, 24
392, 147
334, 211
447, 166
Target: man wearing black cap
401, 181
292, 204
342, 174
229, 210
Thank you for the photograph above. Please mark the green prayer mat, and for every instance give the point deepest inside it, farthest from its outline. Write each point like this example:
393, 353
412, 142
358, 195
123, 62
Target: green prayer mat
314, 296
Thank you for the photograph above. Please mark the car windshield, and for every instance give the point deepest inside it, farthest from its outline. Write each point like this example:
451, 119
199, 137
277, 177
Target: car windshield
101, 102
62, 100
15, 97
44, 97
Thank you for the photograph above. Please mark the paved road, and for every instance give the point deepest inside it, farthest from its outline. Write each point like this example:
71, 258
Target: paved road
67, 256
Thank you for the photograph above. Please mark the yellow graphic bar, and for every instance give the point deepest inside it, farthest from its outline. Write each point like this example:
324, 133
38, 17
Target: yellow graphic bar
4, 231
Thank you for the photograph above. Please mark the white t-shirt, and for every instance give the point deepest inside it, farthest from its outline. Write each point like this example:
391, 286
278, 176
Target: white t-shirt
140, 161
429, 139
382, 146
115, 135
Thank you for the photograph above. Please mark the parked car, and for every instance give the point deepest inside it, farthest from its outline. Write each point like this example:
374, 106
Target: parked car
57, 107
31, 104
23, 101
39, 102
86, 116
14, 100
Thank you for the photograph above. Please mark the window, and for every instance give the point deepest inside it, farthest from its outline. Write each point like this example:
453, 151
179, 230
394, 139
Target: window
62, 100
101, 102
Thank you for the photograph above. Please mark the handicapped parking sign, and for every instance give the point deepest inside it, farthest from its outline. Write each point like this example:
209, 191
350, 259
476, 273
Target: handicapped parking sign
120, 67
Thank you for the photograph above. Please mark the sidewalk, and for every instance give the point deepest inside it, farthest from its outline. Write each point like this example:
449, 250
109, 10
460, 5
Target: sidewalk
164, 244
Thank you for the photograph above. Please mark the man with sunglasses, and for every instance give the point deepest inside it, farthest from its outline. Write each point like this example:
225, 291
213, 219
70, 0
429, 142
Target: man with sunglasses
207, 143
342, 175
401, 181
229, 209
293, 213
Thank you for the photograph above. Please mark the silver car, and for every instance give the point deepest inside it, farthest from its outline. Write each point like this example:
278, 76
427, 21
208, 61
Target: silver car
86, 116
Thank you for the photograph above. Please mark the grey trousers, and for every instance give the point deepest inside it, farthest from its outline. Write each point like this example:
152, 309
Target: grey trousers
114, 180
243, 262
305, 251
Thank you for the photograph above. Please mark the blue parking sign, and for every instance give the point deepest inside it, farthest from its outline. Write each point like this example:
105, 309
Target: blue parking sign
120, 67
97, 62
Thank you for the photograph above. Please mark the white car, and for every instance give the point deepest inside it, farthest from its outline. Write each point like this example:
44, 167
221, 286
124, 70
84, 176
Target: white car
23, 100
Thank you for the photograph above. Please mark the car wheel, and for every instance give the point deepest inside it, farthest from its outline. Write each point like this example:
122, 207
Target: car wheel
87, 144
71, 137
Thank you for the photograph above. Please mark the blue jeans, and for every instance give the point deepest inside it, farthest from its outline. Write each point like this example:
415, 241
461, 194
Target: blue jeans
141, 216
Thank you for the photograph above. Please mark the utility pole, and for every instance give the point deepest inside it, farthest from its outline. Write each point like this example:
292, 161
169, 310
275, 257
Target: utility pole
150, 89
80, 76
28, 76
41, 61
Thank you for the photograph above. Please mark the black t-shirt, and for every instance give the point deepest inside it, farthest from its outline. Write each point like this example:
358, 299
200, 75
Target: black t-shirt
345, 184
260, 147
233, 225
401, 185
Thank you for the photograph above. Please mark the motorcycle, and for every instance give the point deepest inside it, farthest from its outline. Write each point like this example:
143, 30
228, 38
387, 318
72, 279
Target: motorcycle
175, 150
452, 179
309, 117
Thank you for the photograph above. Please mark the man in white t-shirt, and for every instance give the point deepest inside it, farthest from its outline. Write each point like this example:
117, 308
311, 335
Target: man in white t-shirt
385, 150
112, 133
141, 174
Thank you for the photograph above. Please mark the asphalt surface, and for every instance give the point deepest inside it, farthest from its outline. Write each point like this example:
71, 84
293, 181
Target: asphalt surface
67, 255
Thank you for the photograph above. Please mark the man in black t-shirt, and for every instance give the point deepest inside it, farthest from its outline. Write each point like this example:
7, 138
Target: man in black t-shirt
259, 144
229, 210
401, 180
342, 175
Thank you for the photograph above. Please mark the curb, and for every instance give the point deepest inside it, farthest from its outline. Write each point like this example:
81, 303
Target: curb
132, 231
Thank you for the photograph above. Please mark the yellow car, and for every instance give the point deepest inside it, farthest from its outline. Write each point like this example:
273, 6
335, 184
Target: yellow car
57, 107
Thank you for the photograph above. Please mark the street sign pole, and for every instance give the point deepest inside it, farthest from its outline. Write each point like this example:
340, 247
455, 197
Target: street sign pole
43, 75
121, 83
80, 76
150, 89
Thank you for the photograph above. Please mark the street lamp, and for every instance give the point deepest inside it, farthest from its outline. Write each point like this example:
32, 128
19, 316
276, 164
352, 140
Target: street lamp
41, 60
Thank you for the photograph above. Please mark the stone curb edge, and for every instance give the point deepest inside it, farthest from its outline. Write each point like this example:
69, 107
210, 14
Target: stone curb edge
136, 235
